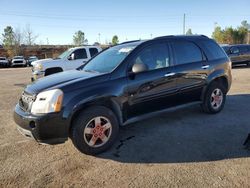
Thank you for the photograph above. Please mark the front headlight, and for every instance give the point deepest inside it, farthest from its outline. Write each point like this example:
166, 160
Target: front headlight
38, 66
48, 101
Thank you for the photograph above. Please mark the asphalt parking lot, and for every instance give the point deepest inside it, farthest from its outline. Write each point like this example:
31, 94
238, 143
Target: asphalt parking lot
180, 148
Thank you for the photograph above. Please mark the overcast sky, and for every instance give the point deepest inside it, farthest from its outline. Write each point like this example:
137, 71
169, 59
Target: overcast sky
55, 21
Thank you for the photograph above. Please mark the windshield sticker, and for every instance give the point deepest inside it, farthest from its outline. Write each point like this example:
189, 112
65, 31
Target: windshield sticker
125, 50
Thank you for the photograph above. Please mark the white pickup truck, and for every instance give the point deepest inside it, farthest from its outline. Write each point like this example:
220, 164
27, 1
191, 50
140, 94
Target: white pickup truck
68, 60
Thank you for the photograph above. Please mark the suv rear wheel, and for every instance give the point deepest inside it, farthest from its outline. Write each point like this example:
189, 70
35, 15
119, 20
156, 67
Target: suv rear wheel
214, 98
95, 130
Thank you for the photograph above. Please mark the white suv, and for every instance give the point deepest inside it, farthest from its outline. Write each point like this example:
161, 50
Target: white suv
18, 60
68, 60
4, 62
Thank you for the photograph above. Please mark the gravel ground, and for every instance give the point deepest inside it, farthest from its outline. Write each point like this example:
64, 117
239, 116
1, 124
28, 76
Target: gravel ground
183, 148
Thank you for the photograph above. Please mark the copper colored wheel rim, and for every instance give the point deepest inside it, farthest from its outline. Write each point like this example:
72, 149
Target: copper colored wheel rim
216, 99
97, 132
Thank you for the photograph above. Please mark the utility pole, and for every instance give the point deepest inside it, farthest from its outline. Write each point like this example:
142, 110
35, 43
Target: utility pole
184, 24
99, 35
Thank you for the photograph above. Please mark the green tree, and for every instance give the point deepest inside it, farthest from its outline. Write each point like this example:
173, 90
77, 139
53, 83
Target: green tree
247, 27
115, 40
241, 35
245, 24
230, 35
8, 40
189, 32
218, 35
79, 38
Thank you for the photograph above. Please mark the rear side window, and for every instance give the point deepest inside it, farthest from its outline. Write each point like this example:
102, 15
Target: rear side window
80, 54
248, 47
212, 50
186, 52
243, 49
93, 51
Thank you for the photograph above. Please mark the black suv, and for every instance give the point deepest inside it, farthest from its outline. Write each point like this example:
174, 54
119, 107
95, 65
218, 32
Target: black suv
239, 53
123, 84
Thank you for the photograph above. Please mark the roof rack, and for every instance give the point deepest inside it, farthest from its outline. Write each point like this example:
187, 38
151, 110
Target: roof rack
171, 36
130, 41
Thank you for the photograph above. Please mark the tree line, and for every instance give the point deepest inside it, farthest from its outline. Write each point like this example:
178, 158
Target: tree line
14, 39
230, 35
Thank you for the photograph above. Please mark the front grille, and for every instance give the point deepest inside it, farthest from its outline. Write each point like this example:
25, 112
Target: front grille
18, 62
26, 101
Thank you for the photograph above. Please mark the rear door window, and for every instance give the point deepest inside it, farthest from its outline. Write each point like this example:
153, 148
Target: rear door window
234, 50
186, 52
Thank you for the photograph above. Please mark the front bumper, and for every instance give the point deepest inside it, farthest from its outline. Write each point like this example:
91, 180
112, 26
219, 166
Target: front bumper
4, 63
48, 129
18, 63
37, 74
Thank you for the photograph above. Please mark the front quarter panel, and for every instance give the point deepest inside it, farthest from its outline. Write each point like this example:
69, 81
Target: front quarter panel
109, 91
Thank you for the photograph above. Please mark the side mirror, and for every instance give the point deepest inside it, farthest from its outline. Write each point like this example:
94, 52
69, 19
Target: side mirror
139, 67
71, 57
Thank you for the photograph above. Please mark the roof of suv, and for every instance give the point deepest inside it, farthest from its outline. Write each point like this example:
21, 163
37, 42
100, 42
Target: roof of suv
167, 37
182, 36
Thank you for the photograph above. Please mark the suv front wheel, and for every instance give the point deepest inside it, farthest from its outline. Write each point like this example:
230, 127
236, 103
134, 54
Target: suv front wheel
214, 98
95, 130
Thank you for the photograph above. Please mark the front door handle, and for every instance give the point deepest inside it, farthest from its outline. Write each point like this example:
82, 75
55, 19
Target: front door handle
205, 67
169, 74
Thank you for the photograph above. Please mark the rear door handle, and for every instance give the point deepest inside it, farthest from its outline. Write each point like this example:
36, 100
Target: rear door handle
205, 66
169, 74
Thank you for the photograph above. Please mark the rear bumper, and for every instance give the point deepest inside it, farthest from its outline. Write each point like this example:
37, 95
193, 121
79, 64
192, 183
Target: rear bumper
47, 129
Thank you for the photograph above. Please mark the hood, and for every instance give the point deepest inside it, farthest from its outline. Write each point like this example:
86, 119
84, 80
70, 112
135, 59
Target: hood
58, 79
17, 59
41, 61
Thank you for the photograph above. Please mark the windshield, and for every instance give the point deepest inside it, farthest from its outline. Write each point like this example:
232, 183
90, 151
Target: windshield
109, 59
226, 49
2, 58
65, 54
18, 57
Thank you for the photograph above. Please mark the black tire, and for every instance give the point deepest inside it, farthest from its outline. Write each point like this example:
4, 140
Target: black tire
210, 106
83, 120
